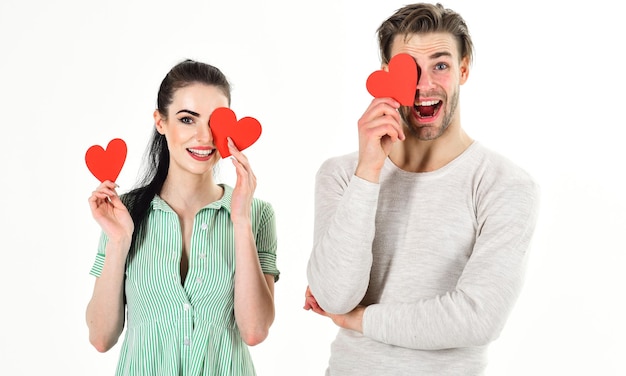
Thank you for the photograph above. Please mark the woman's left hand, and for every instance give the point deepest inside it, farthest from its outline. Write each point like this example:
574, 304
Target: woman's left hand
241, 202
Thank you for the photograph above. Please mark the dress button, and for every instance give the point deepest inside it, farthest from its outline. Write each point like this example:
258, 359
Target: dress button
199, 280
204, 226
203, 255
186, 341
186, 307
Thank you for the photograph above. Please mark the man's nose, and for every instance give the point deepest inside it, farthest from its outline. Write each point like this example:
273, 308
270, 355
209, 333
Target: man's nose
424, 80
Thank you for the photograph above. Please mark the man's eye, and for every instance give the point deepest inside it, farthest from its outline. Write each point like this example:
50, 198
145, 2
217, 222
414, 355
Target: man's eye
441, 66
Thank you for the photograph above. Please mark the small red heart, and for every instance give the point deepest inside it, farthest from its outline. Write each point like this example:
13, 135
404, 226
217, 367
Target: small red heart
398, 83
106, 164
223, 123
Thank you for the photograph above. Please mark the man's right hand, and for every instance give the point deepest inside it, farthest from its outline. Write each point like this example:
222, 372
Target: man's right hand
379, 128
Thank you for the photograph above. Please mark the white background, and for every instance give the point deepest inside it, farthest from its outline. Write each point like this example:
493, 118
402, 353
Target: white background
546, 90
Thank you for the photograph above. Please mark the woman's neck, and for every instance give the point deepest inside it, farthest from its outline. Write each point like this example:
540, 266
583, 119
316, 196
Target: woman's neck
188, 194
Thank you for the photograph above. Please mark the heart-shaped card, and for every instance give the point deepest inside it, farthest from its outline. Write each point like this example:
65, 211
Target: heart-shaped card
399, 82
106, 164
244, 132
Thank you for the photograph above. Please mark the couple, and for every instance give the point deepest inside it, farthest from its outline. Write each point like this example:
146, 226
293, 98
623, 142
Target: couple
420, 236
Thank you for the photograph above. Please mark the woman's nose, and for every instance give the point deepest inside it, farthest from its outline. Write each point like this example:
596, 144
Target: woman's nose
203, 133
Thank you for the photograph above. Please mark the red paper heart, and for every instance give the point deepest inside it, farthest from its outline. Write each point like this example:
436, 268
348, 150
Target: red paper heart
106, 164
223, 123
398, 83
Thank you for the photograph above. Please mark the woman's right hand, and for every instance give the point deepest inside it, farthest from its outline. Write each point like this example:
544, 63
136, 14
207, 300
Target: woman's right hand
111, 214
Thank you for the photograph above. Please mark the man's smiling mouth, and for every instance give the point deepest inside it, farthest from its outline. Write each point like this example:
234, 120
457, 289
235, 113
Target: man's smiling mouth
427, 109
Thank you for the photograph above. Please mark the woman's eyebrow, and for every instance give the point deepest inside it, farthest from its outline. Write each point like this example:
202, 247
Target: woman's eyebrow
189, 112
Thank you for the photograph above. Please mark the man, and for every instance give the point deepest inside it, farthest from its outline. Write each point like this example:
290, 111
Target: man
421, 236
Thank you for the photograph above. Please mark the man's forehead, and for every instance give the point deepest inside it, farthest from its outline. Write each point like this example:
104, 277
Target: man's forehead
429, 44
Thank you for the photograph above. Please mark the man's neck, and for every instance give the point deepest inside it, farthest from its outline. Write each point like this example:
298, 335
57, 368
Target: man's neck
416, 155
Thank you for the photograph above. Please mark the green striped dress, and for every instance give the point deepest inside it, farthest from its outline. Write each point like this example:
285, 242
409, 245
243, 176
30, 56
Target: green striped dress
189, 329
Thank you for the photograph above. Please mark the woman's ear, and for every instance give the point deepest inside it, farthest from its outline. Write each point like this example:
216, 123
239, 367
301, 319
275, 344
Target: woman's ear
158, 121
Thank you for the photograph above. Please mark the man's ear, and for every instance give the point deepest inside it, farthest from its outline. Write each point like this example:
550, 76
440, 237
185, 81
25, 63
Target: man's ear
158, 121
464, 68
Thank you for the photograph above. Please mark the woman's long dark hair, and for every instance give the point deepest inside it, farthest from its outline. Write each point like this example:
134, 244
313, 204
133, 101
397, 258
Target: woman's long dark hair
157, 158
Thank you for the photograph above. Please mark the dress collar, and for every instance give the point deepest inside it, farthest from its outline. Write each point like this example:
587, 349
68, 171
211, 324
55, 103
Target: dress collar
159, 204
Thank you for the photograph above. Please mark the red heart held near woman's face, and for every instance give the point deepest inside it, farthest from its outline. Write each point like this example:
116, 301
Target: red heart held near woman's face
398, 83
244, 132
106, 164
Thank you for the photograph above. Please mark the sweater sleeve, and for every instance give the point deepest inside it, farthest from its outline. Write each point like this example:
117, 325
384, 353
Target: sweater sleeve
340, 262
474, 313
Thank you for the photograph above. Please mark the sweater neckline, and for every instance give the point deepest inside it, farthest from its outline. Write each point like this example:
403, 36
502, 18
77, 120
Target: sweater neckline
390, 167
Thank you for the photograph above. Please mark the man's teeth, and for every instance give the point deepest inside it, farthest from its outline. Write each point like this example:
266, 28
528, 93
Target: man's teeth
202, 153
427, 103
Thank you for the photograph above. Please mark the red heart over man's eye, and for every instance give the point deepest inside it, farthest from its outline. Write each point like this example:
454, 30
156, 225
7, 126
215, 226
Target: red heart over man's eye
398, 83
244, 132
106, 164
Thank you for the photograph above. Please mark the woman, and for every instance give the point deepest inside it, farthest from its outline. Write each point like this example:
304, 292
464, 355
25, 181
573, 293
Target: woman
193, 262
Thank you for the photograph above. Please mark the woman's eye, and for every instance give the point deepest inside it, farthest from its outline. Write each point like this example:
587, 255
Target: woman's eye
186, 120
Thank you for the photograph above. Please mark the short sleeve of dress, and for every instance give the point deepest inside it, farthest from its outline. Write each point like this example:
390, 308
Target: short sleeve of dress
96, 268
266, 241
